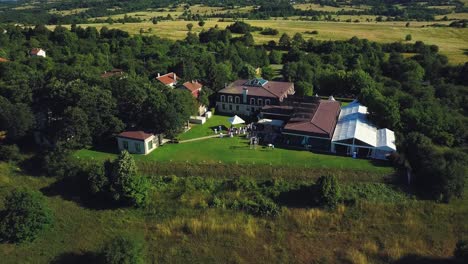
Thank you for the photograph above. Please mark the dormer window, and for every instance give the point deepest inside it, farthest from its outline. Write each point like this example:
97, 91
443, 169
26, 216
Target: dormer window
257, 82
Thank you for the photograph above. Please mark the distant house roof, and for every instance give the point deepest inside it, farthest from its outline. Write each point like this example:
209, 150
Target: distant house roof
36, 51
113, 72
135, 135
259, 87
4, 60
353, 124
314, 119
168, 78
193, 86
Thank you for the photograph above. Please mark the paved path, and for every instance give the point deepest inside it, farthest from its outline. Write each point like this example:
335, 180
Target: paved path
200, 138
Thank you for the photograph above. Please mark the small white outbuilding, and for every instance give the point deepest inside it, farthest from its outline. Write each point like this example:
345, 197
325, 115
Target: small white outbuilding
137, 142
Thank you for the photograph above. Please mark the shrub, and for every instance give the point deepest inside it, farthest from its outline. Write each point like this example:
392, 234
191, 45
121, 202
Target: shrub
329, 191
270, 31
123, 250
461, 251
10, 153
260, 206
24, 217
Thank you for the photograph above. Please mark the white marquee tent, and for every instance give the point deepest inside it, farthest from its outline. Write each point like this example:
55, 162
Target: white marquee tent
354, 133
235, 120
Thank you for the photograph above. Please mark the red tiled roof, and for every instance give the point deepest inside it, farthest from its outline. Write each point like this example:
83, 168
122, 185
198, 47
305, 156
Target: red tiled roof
4, 60
193, 86
168, 78
137, 135
319, 122
35, 51
269, 89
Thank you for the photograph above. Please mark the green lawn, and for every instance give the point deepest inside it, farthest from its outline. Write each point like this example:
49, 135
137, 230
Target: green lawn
237, 151
197, 131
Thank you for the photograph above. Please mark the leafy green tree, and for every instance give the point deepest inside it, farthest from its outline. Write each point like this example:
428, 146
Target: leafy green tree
304, 88
247, 72
25, 216
97, 179
408, 37
123, 250
268, 73
73, 128
201, 23
284, 41
15, 119
329, 194
189, 26
461, 251
126, 185
298, 41
275, 57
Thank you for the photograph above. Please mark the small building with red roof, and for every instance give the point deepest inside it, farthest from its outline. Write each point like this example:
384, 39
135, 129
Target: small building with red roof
169, 79
137, 142
193, 87
37, 52
3, 60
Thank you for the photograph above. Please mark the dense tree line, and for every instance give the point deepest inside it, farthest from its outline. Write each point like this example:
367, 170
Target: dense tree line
411, 10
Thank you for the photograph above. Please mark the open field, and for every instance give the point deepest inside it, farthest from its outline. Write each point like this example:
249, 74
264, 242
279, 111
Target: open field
318, 7
68, 12
454, 16
452, 41
177, 230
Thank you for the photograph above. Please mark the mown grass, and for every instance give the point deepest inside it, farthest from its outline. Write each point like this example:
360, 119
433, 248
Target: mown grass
451, 41
207, 129
177, 230
236, 150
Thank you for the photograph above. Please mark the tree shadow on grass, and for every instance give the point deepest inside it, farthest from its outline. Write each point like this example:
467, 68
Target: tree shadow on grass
76, 190
415, 259
304, 196
77, 258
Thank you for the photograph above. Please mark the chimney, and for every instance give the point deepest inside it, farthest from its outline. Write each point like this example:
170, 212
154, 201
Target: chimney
245, 92
175, 77
159, 75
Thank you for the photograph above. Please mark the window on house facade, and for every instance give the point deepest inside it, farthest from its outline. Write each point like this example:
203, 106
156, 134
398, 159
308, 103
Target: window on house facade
260, 101
125, 144
237, 108
223, 98
252, 101
229, 99
230, 107
150, 145
224, 107
267, 101
137, 147
237, 100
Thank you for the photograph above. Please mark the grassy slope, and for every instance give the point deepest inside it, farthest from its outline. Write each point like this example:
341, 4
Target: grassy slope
176, 231
236, 150
451, 41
